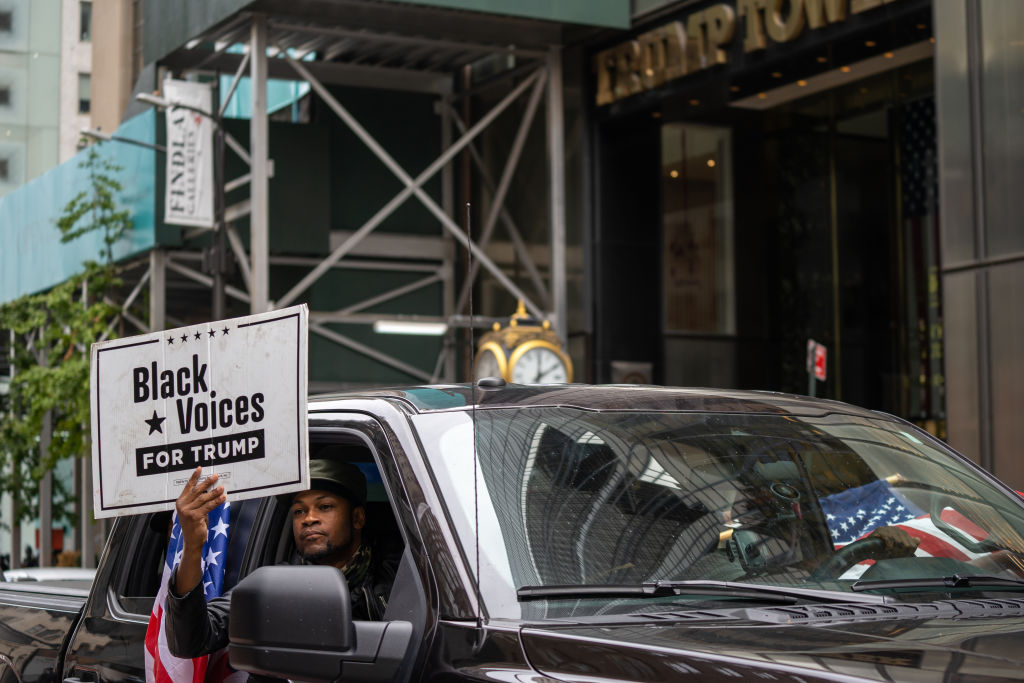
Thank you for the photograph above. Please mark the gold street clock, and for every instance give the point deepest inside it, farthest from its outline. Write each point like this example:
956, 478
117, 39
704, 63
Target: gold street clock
523, 352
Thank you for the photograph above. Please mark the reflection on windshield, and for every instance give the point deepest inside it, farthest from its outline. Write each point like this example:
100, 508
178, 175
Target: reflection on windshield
578, 497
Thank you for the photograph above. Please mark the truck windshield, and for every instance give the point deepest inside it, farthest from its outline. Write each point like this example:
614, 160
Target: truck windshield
567, 497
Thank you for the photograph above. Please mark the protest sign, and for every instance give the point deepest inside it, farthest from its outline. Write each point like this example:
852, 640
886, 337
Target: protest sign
228, 395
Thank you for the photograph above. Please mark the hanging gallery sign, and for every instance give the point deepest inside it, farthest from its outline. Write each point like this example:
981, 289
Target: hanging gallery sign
189, 190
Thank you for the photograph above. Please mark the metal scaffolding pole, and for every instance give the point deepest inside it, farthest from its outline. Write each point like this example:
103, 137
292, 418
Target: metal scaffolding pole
556, 164
266, 33
259, 243
46, 497
86, 523
498, 197
15, 523
157, 290
447, 359
412, 187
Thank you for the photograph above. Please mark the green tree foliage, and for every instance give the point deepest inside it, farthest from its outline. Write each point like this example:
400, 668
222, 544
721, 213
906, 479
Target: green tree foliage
52, 335
95, 210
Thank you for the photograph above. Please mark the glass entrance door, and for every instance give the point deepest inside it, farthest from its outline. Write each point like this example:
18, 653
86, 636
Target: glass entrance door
699, 313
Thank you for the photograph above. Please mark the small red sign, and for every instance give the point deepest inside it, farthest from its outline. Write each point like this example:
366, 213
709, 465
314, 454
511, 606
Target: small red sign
820, 362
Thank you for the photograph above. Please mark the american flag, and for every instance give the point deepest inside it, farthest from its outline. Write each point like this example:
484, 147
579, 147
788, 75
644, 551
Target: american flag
855, 513
161, 665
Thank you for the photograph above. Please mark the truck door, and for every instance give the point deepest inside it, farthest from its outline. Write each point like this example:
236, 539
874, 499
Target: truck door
392, 588
108, 644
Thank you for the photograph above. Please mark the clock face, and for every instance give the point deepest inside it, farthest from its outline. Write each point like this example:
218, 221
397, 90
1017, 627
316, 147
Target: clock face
540, 365
487, 365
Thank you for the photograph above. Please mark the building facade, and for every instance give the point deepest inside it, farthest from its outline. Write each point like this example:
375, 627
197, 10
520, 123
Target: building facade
766, 174
76, 24
774, 181
45, 75
29, 90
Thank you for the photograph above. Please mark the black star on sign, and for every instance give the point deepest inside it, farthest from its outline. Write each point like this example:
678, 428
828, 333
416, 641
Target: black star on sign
155, 423
213, 333
225, 330
170, 340
198, 335
184, 337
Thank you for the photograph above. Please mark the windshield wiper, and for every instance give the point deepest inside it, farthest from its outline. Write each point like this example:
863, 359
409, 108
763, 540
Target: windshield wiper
717, 589
954, 581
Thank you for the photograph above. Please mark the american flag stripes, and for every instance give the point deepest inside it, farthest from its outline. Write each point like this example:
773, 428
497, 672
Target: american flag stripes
855, 513
161, 665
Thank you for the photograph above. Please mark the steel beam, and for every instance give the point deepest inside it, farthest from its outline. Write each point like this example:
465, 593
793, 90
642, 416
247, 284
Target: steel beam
410, 41
390, 266
130, 299
204, 279
498, 197
237, 148
157, 290
384, 358
351, 75
15, 524
391, 294
259, 243
411, 187
46, 496
234, 84
240, 256
446, 358
521, 250
556, 166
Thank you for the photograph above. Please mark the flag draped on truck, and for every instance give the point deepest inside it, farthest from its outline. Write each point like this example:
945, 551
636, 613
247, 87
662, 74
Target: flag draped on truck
853, 514
161, 665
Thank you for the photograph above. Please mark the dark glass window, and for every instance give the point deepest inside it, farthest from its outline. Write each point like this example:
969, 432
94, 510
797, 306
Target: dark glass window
84, 94
85, 21
5, 96
6, 21
5, 170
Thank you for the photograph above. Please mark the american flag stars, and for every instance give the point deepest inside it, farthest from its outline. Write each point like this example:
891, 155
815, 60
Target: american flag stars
857, 512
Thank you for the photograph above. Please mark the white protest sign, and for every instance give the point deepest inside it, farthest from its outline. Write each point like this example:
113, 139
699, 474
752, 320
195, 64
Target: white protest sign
188, 194
229, 396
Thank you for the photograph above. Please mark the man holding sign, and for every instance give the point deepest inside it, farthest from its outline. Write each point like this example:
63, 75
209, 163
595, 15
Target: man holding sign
327, 525
230, 398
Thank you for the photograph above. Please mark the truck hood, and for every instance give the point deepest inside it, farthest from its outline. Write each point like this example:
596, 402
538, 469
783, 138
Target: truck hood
813, 643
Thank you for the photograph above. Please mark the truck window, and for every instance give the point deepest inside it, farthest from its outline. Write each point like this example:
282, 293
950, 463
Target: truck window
380, 520
145, 558
381, 531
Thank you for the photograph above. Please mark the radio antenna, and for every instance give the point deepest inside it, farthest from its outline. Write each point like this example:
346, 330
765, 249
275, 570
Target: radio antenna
473, 398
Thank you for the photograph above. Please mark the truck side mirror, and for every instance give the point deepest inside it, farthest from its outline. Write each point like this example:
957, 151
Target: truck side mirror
295, 622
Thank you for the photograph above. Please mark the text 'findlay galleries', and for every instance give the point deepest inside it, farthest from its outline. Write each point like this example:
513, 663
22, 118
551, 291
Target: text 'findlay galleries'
185, 384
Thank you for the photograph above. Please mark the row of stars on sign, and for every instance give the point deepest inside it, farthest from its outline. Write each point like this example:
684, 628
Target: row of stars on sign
198, 335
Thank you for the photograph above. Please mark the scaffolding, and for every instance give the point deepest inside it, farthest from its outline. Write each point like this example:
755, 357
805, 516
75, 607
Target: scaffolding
393, 57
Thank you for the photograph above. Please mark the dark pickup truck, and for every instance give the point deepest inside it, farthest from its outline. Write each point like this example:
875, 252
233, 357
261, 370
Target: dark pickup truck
578, 533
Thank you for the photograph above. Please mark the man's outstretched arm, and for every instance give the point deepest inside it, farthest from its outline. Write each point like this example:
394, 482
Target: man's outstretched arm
194, 504
192, 626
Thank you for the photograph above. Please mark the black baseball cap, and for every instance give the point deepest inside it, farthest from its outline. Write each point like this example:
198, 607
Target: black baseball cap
339, 477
